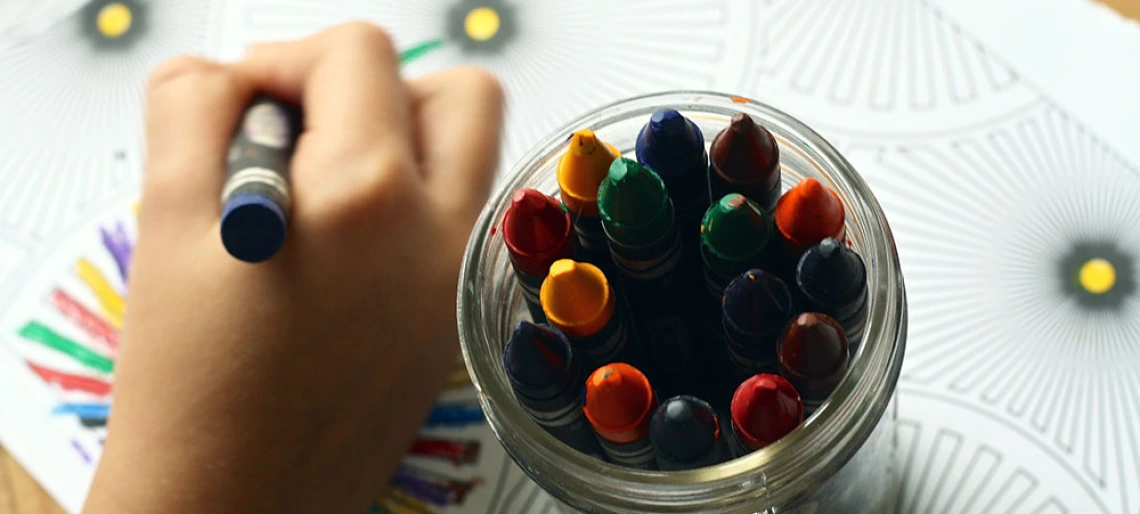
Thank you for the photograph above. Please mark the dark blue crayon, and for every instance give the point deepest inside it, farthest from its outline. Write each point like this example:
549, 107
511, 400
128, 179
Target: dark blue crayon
657, 276
674, 147
757, 306
548, 381
686, 434
454, 415
831, 278
256, 197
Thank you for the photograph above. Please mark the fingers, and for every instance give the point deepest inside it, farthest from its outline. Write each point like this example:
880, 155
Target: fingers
193, 107
347, 81
458, 115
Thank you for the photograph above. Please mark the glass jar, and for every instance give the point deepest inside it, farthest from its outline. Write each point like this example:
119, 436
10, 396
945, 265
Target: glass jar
842, 459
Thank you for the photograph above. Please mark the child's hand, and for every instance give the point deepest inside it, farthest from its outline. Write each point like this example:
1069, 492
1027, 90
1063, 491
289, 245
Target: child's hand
297, 384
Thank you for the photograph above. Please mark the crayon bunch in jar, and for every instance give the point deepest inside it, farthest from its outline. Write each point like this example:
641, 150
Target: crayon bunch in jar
686, 309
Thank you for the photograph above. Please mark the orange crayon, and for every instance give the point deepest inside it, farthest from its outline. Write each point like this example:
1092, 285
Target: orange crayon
808, 214
580, 171
619, 404
579, 301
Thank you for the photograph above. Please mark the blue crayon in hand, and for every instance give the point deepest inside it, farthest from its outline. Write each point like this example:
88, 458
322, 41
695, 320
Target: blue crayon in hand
256, 196
757, 306
548, 381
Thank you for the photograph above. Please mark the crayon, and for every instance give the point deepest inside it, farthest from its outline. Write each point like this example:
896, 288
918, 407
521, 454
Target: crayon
457, 452
454, 415
685, 433
422, 488
765, 408
536, 232
549, 383
647, 250
813, 357
745, 159
757, 305
806, 215
580, 171
734, 238
674, 147
832, 278
579, 302
256, 196
619, 404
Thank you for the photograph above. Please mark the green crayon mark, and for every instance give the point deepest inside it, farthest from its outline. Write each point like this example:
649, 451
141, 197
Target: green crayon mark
419, 50
734, 232
634, 204
44, 335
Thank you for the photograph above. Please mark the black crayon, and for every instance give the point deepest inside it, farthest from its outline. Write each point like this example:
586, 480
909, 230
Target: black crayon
831, 278
686, 434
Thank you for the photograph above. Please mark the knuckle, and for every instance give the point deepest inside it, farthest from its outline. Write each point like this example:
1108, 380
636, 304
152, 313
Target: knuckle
482, 84
365, 35
175, 68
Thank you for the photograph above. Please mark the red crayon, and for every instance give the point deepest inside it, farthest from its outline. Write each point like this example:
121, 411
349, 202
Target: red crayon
537, 232
808, 214
764, 408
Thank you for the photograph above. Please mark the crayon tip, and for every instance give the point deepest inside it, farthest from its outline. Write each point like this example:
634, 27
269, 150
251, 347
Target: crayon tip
765, 408
810, 212
536, 230
814, 348
757, 301
619, 401
684, 428
745, 152
581, 169
253, 227
633, 196
538, 357
668, 122
735, 228
833, 271
577, 298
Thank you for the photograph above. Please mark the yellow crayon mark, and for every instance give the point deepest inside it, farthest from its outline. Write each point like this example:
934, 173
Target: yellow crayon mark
113, 304
114, 20
481, 23
1098, 276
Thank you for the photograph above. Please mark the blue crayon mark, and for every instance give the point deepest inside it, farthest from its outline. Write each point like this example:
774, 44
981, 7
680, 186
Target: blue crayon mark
84, 410
82, 453
454, 415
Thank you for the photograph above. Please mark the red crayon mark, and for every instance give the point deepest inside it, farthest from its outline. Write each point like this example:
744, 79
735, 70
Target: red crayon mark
537, 232
765, 408
70, 382
92, 324
459, 452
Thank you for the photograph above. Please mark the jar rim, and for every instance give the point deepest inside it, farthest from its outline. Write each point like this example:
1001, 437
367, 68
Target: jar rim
818, 447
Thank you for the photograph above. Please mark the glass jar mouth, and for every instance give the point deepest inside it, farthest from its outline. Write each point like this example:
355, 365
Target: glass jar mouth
818, 447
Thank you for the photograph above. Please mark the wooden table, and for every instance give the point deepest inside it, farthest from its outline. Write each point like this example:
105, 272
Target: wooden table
20, 494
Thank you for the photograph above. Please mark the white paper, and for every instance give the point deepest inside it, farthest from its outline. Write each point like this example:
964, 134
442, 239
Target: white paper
995, 145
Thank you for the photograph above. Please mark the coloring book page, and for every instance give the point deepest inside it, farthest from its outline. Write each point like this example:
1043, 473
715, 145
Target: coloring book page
1009, 188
